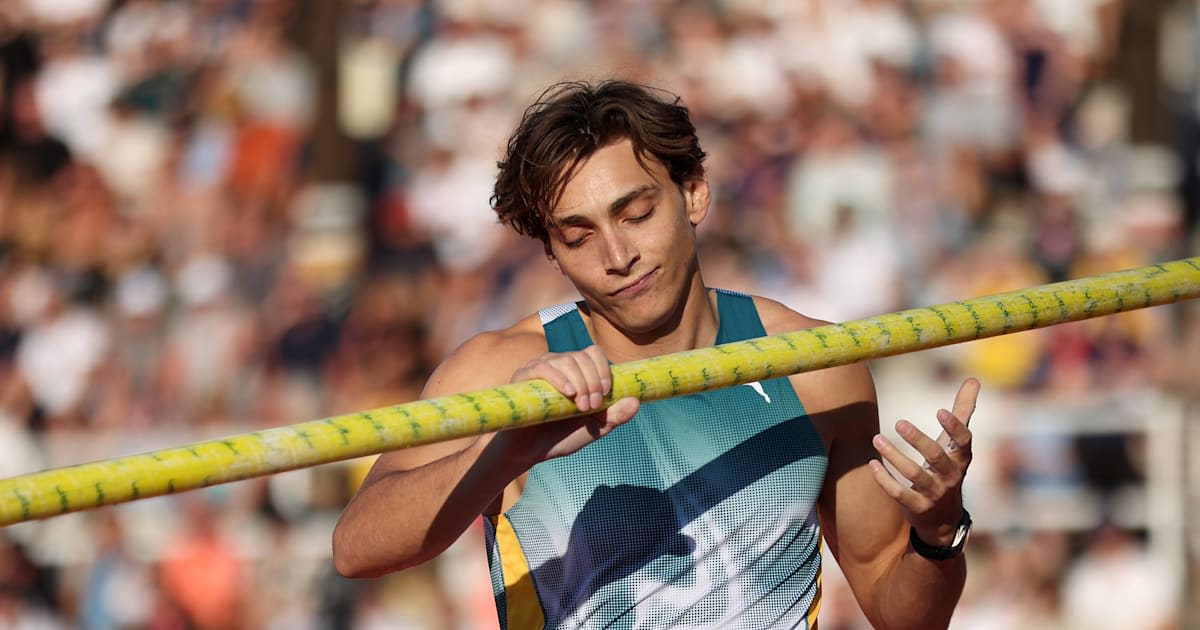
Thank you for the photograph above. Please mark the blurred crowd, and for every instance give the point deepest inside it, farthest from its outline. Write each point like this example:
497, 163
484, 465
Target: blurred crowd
223, 215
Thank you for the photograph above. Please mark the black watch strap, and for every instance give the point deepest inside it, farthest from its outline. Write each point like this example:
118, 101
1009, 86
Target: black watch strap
926, 550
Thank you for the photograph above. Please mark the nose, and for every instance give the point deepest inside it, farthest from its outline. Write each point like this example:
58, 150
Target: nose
620, 254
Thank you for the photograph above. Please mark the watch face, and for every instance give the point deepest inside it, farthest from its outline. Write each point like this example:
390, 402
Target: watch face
964, 531
943, 553
960, 536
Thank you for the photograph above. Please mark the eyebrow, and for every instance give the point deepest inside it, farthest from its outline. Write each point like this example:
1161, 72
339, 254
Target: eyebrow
616, 206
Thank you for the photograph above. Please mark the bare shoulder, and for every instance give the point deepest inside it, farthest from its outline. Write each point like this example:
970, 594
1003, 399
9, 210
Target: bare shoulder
488, 359
844, 395
778, 319
485, 360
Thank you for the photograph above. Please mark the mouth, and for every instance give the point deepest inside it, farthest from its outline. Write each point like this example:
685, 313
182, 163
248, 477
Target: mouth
635, 287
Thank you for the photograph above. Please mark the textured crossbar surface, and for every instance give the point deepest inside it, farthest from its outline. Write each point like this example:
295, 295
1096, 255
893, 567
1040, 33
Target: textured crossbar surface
61, 490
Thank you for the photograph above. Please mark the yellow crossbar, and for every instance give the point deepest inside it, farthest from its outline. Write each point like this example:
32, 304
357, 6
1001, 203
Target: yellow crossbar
61, 490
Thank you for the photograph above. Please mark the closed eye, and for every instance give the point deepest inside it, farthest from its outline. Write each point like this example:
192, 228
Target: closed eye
574, 243
642, 217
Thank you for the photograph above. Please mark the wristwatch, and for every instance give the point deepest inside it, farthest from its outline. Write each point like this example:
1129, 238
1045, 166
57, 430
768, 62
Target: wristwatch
926, 550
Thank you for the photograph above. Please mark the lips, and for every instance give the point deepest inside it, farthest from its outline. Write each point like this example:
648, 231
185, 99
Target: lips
635, 287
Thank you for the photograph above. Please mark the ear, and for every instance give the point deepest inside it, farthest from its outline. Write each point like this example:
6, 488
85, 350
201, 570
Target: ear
697, 196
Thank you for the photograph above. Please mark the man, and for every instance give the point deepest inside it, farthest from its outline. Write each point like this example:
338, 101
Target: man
703, 511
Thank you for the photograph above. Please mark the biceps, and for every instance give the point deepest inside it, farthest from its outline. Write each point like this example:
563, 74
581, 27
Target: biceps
862, 526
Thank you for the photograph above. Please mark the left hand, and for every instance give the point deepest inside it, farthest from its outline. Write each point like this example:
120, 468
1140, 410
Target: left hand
932, 503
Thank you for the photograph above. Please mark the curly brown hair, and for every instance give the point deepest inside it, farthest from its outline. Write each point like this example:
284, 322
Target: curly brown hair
572, 120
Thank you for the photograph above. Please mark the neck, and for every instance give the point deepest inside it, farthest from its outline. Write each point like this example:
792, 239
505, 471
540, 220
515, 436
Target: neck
693, 325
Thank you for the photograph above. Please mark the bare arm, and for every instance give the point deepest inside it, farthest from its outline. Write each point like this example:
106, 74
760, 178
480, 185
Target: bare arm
930, 499
388, 524
866, 514
416, 502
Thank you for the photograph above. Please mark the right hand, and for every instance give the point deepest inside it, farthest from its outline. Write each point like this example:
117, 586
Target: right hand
586, 377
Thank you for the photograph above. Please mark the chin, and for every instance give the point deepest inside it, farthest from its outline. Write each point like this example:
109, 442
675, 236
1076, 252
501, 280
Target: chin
646, 313
642, 321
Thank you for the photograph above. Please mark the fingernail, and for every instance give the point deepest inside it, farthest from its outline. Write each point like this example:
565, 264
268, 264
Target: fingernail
597, 399
606, 383
878, 441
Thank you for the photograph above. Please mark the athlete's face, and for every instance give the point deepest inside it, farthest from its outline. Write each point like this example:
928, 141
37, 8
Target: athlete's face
625, 236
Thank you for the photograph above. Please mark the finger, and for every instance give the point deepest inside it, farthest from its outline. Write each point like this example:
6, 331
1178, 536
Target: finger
603, 366
964, 408
964, 400
546, 372
917, 476
564, 374
600, 424
593, 385
955, 437
936, 458
622, 410
585, 378
893, 488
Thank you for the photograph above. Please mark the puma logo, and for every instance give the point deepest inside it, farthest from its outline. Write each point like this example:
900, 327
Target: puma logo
758, 389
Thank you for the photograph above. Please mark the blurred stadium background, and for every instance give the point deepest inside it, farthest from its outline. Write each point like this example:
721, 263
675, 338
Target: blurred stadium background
221, 215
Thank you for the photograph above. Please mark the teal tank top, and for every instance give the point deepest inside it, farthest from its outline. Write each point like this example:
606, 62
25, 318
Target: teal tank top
700, 512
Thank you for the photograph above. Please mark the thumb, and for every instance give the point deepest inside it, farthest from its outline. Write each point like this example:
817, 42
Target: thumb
622, 410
